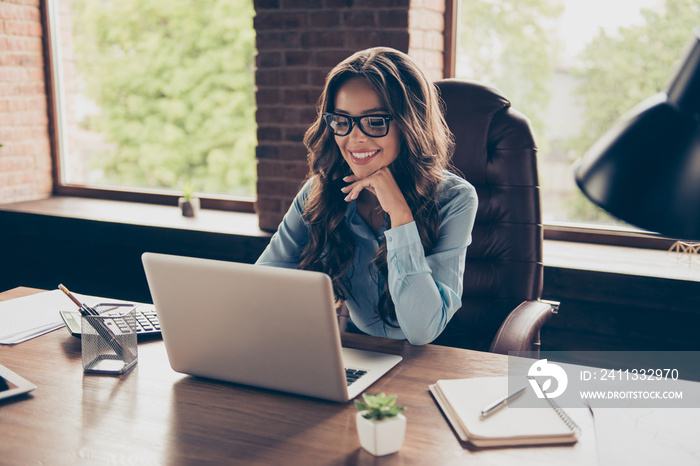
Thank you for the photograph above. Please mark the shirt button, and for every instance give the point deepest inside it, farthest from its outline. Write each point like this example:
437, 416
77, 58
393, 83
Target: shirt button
390, 239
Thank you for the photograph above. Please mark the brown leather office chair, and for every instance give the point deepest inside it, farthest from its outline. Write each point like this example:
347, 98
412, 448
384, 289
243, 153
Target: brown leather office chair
495, 151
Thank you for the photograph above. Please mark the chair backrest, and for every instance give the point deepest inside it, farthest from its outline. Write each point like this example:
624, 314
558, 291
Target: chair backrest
495, 150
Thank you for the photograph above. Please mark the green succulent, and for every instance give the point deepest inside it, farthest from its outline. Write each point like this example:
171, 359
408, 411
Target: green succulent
188, 191
378, 406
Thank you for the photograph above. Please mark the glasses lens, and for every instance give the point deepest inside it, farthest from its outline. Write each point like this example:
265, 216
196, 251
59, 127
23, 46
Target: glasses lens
338, 124
375, 126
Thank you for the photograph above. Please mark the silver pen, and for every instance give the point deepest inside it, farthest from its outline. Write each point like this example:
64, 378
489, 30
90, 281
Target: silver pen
501, 402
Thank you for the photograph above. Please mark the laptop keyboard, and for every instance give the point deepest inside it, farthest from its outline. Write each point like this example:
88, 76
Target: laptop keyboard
351, 375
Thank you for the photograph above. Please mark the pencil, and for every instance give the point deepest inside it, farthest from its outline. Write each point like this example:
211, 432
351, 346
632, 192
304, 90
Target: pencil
70, 295
84, 308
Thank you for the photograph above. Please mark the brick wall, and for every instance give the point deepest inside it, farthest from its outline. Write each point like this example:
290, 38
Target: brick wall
298, 42
25, 158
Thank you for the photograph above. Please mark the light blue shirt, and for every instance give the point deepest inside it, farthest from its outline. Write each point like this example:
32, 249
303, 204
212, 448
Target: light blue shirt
426, 290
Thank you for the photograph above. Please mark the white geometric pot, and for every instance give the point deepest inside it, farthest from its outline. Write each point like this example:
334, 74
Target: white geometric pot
381, 437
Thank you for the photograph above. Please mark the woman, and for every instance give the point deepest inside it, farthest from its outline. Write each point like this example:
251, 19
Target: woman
379, 213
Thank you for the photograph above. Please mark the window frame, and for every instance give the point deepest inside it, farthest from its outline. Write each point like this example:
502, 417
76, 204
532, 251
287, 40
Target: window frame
54, 86
579, 233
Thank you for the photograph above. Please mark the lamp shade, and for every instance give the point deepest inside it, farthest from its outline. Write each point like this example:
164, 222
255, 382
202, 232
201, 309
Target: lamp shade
646, 169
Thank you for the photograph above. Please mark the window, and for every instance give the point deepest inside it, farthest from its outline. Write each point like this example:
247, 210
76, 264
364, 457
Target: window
573, 68
154, 96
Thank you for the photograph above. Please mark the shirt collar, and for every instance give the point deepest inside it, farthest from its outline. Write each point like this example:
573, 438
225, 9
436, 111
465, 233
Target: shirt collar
358, 225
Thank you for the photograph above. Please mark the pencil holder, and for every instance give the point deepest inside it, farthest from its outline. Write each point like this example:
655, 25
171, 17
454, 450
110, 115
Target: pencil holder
109, 343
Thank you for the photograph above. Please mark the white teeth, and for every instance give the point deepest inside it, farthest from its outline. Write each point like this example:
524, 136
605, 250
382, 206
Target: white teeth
363, 155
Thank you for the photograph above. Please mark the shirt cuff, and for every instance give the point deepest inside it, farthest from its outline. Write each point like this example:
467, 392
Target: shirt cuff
405, 254
401, 236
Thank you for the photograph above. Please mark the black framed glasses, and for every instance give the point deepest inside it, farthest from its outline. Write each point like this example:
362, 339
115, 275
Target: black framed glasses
374, 126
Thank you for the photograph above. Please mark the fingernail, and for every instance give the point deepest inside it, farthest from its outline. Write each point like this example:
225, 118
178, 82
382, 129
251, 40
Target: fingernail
347, 198
345, 178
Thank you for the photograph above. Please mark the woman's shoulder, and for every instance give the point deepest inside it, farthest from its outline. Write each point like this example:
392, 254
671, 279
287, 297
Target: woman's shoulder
455, 187
305, 190
299, 202
456, 196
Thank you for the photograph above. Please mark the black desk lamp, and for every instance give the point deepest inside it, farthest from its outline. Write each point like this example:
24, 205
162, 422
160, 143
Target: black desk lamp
646, 169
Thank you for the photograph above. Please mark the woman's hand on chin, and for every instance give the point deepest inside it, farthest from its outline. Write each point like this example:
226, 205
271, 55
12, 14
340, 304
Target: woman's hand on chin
383, 185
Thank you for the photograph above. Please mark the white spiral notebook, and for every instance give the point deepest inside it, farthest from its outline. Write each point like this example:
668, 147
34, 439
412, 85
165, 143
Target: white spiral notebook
462, 400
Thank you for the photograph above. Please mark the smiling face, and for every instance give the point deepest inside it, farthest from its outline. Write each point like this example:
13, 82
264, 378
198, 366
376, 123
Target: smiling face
365, 155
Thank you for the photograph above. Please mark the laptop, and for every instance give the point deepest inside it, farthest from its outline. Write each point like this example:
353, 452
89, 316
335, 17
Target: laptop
266, 327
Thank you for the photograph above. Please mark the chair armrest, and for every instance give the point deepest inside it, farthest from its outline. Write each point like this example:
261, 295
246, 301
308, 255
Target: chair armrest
521, 329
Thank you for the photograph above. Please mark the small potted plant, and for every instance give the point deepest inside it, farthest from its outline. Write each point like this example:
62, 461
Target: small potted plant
189, 204
380, 425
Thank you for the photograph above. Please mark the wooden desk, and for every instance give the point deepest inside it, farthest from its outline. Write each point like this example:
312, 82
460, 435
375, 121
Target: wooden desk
153, 415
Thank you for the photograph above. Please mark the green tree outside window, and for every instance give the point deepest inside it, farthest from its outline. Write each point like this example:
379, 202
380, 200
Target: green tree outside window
511, 44
174, 82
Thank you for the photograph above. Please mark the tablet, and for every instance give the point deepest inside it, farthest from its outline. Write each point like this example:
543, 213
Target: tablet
12, 384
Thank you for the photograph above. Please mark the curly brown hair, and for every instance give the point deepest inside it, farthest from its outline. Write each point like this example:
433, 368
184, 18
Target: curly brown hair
425, 151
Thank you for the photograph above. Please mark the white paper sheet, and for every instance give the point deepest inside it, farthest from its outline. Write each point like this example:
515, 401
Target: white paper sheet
24, 318
640, 436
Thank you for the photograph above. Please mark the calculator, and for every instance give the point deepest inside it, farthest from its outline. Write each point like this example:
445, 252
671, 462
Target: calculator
147, 324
